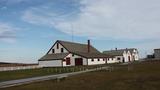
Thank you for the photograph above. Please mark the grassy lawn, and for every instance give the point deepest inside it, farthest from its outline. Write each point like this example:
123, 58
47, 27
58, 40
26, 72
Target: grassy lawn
19, 74
139, 76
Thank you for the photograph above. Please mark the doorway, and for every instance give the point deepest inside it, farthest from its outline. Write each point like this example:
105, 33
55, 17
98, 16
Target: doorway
78, 61
123, 60
129, 58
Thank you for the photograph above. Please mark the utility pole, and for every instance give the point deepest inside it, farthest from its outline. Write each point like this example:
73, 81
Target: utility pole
72, 32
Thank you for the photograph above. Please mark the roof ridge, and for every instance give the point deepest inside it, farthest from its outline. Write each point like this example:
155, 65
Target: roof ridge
78, 46
121, 49
58, 53
71, 42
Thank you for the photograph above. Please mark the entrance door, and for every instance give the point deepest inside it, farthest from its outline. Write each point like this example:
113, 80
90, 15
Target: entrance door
129, 58
78, 61
123, 60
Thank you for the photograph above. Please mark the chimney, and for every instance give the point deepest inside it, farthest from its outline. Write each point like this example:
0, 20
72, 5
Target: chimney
88, 46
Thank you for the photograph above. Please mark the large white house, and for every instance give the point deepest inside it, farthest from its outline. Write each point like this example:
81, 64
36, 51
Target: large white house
123, 55
64, 53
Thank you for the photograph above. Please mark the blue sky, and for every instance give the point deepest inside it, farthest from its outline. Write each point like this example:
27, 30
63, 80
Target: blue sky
28, 28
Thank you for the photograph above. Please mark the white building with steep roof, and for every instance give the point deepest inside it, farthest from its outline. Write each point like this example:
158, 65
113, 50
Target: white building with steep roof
123, 55
64, 53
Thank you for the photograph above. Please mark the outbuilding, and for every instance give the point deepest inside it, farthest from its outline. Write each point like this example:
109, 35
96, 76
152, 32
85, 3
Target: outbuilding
123, 55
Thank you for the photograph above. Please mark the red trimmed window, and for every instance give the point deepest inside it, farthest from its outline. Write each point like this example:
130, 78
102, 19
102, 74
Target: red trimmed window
68, 61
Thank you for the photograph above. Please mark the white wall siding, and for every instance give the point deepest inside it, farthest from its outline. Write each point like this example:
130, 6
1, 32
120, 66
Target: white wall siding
112, 60
58, 50
50, 63
126, 55
129, 55
132, 55
136, 55
119, 58
85, 62
64, 64
71, 60
95, 62
19, 68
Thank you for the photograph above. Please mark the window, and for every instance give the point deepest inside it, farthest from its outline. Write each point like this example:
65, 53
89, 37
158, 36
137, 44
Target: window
112, 58
61, 50
52, 50
133, 57
98, 59
103, 59
118, 58
57, 45
72, 55
92, 60
68, 61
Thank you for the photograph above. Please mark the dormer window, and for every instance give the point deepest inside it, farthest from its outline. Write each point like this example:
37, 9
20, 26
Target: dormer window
52, 50
62, 50
57, 45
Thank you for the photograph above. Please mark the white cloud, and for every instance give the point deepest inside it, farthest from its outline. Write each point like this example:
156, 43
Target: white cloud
7, 32
117, 19
11, 2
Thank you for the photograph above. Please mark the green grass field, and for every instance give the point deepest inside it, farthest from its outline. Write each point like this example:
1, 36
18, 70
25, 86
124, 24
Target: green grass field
139, 76
20, 74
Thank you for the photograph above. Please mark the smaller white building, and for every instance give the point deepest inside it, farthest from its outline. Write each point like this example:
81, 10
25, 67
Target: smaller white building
123, 55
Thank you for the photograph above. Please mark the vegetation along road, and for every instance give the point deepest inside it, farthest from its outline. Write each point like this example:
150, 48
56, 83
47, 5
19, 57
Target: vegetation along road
43, 78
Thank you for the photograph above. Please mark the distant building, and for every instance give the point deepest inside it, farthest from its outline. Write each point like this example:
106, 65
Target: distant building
64, 53
124, 55
157, 53
150, 56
